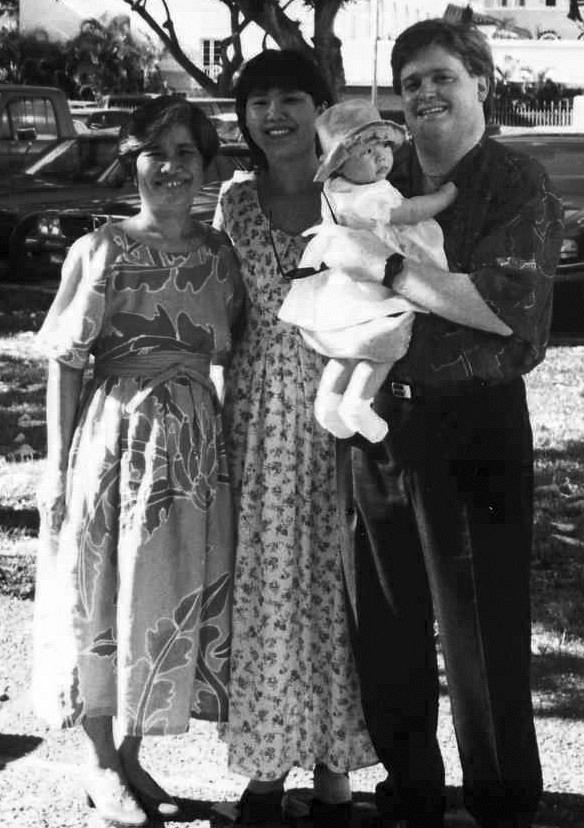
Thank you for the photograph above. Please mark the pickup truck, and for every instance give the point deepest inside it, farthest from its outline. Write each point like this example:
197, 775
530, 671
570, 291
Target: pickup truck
31, 119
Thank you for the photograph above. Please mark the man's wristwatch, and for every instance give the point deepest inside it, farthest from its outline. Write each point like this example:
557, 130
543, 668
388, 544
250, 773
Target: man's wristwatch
393, 266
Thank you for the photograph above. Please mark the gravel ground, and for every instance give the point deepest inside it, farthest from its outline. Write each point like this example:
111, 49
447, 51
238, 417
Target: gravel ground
40, 770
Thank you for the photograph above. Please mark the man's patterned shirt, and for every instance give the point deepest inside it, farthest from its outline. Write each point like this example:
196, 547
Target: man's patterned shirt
505, 230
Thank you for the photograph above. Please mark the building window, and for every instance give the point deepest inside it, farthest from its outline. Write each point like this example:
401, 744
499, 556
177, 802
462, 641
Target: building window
212, 57
550, 2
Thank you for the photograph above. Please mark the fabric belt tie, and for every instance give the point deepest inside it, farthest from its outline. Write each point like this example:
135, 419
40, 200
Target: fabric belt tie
158, 368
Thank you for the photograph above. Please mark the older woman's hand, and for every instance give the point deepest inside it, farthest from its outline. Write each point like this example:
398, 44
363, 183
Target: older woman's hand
360, 251
51, 499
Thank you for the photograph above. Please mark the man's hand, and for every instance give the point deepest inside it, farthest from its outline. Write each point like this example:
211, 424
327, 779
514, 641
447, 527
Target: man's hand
341, 247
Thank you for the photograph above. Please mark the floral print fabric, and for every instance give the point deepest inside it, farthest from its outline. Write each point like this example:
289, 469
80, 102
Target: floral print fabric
132, 616
294, 694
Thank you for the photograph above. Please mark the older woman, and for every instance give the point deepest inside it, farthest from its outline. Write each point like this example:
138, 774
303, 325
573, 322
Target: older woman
294, 695
134, 598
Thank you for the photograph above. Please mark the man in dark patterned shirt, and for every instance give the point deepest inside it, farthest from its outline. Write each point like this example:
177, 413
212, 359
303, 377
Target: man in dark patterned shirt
439, 515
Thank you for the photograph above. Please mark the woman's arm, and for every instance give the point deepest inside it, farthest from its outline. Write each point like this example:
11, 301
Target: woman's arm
63, 394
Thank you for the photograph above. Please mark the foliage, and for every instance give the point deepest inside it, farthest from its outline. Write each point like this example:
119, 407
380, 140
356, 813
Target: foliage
106, 57
103, 57
9, 8
534, 87
33, 59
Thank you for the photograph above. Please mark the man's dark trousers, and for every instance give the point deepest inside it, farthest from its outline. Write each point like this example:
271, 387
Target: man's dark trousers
439, 526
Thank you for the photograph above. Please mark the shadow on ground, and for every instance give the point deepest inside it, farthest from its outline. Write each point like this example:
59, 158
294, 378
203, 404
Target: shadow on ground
556, 811
14, 746
12, 517
558, 685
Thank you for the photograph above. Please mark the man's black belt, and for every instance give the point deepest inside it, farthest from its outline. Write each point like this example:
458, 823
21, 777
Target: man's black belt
413, 391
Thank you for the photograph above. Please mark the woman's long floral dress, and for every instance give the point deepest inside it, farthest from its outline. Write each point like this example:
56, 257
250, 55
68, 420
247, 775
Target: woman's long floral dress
294, 694
134, 593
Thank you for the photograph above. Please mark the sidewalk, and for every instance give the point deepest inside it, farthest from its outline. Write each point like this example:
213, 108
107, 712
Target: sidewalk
41, 771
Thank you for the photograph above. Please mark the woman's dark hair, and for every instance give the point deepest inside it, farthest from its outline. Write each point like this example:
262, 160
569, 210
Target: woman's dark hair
153, 118
287, 70
463, 40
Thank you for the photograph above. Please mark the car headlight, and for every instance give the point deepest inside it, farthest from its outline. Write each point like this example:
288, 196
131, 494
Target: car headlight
569, 250
49, 226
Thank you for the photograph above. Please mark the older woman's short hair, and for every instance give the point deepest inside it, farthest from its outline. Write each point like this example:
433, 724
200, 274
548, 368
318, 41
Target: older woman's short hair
150, 120
284, 69
463, 40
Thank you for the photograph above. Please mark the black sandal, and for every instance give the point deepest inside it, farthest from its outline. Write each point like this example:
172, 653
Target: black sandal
258, 808
327, 815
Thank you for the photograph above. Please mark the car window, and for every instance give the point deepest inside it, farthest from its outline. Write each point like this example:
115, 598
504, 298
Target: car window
84, 158
24, 113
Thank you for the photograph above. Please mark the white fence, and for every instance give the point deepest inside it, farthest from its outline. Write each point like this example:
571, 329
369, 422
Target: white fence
558, 113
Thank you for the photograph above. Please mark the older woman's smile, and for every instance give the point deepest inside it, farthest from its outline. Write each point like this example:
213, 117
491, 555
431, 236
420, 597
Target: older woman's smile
172, 184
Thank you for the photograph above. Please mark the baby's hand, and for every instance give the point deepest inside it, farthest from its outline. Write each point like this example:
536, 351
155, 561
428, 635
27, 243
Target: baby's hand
347, 249
449, 191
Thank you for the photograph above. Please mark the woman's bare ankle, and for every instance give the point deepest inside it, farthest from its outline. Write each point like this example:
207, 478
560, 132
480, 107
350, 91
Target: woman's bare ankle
101, 750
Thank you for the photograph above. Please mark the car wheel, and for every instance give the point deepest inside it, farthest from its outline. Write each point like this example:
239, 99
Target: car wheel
17, 263
568, 310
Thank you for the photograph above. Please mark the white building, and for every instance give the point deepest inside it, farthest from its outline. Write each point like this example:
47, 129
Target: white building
544, 19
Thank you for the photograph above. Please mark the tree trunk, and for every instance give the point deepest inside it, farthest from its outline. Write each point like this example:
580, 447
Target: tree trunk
272, 18
167, 35
230, 65
328, 47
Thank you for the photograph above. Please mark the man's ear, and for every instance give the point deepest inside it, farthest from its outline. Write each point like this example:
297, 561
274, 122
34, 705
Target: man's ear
483, 87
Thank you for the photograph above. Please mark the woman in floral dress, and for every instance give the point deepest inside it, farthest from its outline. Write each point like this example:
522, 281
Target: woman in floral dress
135, 571
294, 696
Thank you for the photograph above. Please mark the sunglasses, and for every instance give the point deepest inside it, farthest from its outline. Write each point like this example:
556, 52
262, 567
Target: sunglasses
297, 272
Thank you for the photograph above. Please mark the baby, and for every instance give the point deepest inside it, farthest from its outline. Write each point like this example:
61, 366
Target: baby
363, 326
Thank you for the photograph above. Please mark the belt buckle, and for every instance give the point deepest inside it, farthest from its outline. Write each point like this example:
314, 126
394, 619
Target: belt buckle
402, 390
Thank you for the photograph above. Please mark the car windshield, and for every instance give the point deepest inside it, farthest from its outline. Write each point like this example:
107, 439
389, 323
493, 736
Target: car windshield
84, 158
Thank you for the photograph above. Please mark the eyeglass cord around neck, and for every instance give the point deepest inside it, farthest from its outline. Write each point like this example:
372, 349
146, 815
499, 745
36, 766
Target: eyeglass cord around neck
297, 272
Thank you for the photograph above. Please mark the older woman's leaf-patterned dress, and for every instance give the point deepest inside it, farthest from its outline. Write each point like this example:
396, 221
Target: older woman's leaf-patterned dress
134, 594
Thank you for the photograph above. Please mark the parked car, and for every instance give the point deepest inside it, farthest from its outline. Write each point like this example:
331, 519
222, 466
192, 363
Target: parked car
221, 111
562, 154
111, 118
116, 109
73, 188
